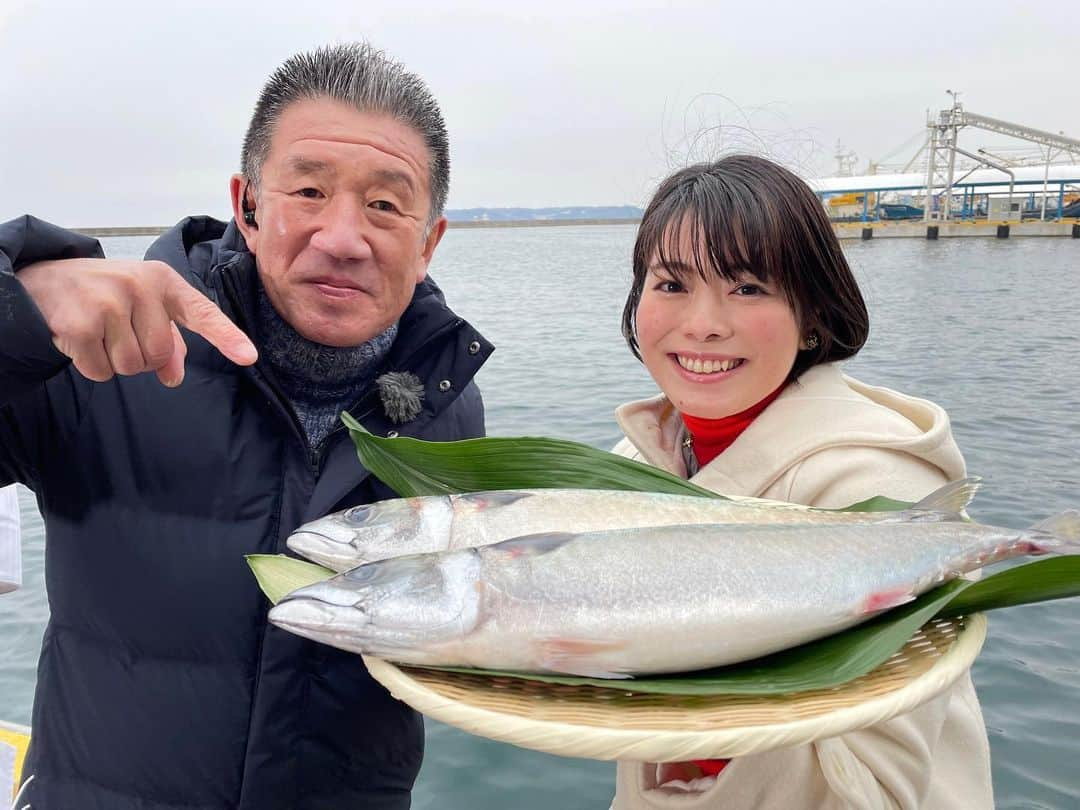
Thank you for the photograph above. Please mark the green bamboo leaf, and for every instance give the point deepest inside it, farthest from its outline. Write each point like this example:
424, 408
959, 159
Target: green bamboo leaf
414, 467
1053, 578
279, 575
879, 503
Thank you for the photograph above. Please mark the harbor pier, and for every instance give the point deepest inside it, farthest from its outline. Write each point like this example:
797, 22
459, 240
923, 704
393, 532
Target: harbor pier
883, 229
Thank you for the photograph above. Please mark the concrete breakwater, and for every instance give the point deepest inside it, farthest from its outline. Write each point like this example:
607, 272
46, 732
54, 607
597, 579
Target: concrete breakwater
155, 230
844, 230
136, 230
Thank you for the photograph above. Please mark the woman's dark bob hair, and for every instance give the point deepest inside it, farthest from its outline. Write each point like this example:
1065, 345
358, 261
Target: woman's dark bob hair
746, 214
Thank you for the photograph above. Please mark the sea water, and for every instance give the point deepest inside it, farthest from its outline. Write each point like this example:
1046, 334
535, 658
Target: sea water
987, 328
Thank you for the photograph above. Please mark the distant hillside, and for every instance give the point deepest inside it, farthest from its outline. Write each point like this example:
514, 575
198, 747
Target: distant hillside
592, 212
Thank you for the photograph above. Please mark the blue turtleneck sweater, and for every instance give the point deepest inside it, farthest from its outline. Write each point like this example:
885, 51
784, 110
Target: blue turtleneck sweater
320, 381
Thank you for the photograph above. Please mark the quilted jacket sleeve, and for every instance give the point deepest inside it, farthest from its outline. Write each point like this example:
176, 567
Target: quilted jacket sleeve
35, 390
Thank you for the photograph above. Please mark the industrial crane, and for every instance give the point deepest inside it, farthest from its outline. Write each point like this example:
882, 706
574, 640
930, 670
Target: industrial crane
942, 150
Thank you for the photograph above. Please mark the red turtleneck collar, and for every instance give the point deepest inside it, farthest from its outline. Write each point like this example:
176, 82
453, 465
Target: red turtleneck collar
711, 437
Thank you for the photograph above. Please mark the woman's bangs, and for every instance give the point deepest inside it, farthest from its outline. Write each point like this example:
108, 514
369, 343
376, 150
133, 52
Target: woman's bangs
692, 240
669, 247
729, 244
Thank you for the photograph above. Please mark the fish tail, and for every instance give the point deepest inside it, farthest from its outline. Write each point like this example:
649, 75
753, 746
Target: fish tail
1058, 534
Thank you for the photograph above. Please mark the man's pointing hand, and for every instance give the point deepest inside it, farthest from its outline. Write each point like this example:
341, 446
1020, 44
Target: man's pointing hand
120, 317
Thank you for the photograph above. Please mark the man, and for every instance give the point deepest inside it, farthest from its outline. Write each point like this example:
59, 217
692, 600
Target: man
161, 457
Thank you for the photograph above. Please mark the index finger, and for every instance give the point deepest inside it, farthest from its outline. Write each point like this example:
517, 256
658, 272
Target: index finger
190, 308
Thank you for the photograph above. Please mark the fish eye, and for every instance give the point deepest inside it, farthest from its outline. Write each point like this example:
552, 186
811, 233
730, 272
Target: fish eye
397, 571
358, 515
362, 573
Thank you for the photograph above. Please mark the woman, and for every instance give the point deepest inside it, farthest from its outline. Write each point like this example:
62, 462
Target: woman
741, 305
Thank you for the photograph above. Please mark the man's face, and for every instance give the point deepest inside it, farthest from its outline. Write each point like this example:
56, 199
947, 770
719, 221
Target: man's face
341, 217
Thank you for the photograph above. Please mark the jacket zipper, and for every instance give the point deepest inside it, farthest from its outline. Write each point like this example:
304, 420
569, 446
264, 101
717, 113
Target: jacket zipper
281, 400
314, 455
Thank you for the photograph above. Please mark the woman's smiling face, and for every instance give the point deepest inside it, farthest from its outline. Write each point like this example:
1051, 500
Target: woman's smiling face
715, 347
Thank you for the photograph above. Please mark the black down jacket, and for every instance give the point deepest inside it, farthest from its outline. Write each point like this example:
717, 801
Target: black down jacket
160, 683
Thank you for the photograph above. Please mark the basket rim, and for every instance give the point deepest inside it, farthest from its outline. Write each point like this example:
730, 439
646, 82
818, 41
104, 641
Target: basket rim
592, 742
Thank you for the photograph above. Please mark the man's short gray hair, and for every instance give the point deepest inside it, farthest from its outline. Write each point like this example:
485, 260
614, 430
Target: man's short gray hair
364, 78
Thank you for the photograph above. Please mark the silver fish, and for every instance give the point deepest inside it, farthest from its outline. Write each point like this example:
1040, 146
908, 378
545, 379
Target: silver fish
440, 523
648, 600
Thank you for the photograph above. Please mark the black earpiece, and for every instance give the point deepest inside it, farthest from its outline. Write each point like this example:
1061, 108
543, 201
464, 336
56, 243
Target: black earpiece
247, 207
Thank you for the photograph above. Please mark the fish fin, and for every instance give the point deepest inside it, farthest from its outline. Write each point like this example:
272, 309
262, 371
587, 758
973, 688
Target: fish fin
486, 500
532, 545
573, 656
885, 600
952, 499
1064, 533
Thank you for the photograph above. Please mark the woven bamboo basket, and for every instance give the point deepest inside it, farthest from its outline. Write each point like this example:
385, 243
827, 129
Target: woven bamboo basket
602, 723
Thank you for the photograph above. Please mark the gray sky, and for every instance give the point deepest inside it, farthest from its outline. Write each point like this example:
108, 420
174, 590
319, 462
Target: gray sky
124, 113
